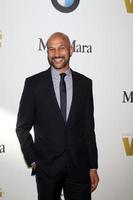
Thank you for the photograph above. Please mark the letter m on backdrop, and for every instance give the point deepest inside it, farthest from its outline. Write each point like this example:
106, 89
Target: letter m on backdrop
129, 6
128, 146
42, 46
127, 97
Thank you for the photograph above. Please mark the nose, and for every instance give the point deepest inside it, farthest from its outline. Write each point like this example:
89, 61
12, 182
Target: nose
57, 53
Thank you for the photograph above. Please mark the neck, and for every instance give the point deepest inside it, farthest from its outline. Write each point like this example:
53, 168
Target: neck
62, 70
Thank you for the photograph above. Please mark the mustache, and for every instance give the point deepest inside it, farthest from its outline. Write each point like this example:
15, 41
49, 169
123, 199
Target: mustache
57, 57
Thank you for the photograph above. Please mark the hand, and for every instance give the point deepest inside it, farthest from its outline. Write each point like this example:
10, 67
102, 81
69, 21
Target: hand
94, 179
33, 165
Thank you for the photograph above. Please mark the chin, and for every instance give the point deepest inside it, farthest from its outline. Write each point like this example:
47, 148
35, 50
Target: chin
58, 67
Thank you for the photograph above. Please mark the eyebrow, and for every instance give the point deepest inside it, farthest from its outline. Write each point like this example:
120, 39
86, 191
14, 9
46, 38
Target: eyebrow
60, 45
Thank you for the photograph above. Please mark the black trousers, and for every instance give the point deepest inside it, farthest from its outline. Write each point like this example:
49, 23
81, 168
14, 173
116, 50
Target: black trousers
74, 187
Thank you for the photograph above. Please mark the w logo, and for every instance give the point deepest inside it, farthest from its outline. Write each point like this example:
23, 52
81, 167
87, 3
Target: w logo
1, 36
129, 6
128, 145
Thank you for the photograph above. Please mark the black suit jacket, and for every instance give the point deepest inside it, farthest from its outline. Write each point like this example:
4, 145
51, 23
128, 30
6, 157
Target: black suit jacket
56, 143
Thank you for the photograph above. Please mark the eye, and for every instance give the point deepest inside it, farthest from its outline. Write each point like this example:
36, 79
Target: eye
62, 48
50, 50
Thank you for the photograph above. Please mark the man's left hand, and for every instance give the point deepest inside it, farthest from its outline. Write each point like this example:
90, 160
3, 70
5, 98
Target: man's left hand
94, 179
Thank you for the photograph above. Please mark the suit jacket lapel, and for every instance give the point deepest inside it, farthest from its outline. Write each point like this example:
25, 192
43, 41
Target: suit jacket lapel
52, 94
74, 97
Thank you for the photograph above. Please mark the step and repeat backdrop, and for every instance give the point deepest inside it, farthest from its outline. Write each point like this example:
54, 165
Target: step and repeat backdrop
102, 34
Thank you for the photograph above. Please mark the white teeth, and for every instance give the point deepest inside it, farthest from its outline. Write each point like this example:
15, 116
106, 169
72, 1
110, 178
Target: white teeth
58, 59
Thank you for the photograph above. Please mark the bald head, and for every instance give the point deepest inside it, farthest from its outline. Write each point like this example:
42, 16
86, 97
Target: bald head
59, 35
59, 51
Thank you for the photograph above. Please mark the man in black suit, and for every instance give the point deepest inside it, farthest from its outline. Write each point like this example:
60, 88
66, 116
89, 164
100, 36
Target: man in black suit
58, 104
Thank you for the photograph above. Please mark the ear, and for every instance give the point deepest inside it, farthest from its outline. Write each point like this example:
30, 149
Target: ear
71, 50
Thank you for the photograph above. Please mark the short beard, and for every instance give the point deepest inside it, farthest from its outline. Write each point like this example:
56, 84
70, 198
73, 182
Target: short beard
52, 64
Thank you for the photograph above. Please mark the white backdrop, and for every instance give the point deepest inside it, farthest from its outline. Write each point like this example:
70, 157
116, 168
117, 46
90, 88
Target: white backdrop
108, 28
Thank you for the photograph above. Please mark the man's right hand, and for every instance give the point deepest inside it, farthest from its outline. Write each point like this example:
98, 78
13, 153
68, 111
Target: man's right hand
33, 165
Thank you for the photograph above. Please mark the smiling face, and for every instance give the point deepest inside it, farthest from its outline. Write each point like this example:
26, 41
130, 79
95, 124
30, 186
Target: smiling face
59, 51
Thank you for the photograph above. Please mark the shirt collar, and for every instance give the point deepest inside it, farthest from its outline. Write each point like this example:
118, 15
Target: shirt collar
56, 74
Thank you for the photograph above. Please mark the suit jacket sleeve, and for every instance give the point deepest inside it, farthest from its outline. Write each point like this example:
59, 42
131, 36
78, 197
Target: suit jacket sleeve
25, 121
89, 129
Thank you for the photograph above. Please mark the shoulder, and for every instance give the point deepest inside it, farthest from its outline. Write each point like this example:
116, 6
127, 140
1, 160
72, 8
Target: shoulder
36, 78
81, 77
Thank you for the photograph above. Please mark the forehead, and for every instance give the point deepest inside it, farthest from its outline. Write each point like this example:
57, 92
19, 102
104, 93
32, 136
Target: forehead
58, 40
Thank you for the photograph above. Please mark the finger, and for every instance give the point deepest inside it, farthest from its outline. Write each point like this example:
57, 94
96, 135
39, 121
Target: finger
94, 185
